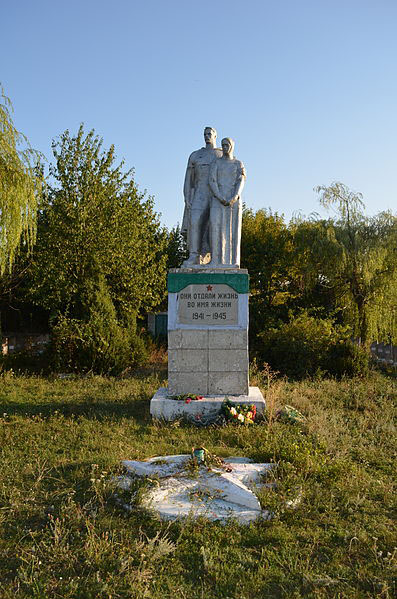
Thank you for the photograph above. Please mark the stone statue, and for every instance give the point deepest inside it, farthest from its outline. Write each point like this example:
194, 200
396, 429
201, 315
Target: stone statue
226, 180
198, 198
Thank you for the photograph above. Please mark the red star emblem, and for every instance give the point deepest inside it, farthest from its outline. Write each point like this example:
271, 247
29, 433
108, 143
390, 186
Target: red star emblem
209, 287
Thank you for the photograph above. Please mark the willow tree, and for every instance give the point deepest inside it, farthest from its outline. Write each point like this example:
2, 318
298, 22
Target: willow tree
366, 251
20, 186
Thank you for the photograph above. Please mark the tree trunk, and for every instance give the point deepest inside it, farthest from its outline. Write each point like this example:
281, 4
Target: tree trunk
362, 322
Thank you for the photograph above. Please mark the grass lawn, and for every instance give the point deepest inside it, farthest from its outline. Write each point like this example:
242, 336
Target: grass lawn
63, 535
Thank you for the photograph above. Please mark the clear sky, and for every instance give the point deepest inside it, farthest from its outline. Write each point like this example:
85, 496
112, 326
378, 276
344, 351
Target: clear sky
307, 88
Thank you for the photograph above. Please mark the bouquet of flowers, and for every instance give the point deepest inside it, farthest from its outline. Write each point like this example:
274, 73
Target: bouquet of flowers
291, 415
241, 413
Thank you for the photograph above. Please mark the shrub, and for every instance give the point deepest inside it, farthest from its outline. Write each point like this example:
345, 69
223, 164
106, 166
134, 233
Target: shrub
26, 361
308, 345
100, 343
347, 359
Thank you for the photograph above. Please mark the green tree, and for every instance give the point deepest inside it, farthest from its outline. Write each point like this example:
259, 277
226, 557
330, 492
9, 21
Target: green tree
266, 250
99, 261
361, 258
176, 248
20, 187
342, 269
95, 221
99, 342
317, 256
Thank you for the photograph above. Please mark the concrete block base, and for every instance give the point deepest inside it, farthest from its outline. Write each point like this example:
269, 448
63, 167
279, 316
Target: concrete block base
163, 407
208, 383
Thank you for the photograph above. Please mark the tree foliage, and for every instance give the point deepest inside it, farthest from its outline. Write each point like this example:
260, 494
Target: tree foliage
308, 345
93, 222
364, 257
99, 342
177, 250
100, 257
266, 247
20, 186
341, 268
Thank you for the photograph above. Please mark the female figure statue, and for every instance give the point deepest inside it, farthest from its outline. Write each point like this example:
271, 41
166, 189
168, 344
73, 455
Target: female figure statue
226, 180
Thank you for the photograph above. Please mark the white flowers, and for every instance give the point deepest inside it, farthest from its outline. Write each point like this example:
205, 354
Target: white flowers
242, 413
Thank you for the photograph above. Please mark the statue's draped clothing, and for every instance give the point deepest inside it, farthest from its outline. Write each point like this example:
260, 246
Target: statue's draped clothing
226, 182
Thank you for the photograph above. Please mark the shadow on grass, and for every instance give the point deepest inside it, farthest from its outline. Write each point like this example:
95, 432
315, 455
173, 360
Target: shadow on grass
98, 410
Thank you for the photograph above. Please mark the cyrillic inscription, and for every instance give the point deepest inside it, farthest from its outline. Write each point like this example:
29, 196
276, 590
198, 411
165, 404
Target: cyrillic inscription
208, 304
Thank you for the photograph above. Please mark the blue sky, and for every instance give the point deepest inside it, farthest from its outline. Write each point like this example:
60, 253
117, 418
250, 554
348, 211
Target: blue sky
308, 89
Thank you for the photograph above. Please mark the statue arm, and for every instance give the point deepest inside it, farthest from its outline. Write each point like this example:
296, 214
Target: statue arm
238, 188
188, 184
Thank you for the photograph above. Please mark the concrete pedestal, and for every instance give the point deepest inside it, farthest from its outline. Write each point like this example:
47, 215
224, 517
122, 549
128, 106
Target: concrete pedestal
163, 407
208, 331
208, 362
207, 337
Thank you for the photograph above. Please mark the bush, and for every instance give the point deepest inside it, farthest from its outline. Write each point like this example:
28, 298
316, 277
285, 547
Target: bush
101, 343
308, 345
347, 359
26, 361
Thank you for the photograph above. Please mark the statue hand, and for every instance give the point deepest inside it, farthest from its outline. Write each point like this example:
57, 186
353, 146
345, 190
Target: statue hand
234, 200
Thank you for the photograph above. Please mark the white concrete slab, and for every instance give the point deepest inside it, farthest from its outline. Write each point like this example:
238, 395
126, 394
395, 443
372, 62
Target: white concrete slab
165, 408
215, 494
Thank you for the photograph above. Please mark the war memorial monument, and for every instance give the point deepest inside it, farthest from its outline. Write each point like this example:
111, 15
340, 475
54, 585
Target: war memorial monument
208, 295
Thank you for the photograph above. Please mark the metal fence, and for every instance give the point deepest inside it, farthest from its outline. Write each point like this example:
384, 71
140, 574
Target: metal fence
15, 342
157, 324
384, 353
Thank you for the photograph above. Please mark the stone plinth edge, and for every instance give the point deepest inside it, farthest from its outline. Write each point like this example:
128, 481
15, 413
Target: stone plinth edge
162, 407
178, 279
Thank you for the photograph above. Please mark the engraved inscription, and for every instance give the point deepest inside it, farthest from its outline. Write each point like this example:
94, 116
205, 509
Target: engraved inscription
208, 304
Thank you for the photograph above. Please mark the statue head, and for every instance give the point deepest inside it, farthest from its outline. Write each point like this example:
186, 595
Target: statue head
210, 135
227, 146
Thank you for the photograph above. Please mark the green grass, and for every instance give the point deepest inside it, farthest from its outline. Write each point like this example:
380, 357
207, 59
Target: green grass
63, 535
